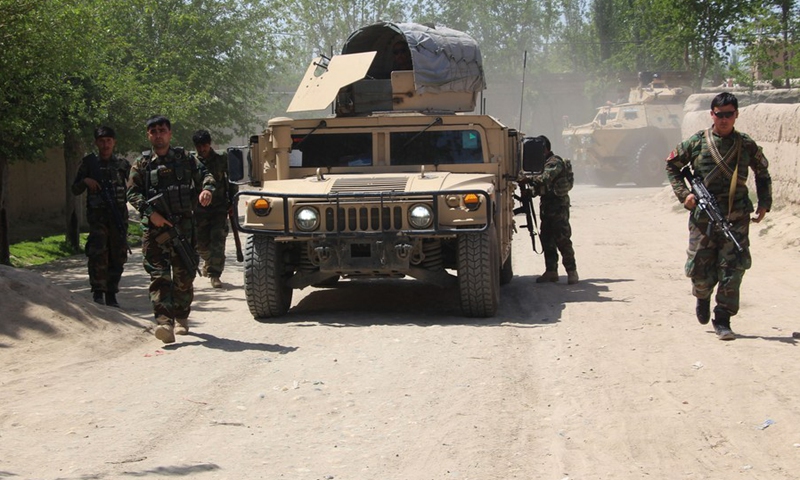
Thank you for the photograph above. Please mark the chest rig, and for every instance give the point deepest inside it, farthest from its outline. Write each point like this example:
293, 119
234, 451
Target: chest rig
172, 176
111, 178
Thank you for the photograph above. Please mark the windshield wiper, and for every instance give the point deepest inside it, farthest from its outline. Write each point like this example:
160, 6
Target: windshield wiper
436, 121
321, 124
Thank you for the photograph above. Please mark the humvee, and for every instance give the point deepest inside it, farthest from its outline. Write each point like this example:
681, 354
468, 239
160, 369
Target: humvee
398, 181
627, 142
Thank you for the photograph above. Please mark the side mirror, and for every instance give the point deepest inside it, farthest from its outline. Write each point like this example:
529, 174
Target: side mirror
235, 164
533, 155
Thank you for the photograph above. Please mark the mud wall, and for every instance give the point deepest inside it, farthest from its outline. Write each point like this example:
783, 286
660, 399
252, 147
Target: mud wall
776, 128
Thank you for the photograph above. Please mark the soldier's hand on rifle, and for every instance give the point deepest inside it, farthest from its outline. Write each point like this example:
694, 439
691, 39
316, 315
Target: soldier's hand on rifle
157, 220
205, 198
690, 202
92, 184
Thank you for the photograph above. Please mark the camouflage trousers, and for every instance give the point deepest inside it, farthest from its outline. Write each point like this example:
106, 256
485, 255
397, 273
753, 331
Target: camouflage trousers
107, 254
713, 261
556, 233
212, 231
171, 281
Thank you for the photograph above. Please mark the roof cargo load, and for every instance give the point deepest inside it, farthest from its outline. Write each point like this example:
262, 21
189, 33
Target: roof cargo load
445, 72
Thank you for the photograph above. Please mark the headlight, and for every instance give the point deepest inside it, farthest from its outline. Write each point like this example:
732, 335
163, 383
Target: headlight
306, 219
420, 216
262, 207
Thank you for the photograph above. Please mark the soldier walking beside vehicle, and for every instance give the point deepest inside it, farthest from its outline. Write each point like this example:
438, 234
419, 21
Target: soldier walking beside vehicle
104, 175
165, 185
720, 156
553, 185
212, 220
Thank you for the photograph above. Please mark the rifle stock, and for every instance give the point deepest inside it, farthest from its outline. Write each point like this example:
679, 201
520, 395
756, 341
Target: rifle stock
708, 204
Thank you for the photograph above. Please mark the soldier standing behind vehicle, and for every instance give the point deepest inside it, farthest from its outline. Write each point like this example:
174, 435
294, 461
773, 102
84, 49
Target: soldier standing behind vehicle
212, 221
104, 175
553, 185
720, 156
169, 224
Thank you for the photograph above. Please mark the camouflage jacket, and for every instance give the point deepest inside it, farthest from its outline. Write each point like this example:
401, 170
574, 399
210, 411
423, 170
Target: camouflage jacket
111, 174
152, 174
695, 152
545, 183
217, 165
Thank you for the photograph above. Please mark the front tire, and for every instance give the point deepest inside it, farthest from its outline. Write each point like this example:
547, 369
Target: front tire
479, 273
265, 278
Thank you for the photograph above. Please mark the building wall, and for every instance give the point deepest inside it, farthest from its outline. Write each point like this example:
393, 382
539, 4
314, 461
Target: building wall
37, 189
776, 129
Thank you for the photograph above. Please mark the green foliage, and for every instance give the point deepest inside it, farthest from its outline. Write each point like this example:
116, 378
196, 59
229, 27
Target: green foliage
45, 250
48, 249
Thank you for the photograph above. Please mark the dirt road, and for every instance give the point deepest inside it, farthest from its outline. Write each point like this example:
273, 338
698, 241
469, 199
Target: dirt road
612, 378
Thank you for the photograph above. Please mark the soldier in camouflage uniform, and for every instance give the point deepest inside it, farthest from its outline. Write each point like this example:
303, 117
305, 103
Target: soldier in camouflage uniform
721, 156
212, 221
553, 186
104, 175
183, 181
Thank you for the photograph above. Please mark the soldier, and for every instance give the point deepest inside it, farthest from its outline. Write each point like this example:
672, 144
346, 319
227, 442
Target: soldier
212, 221
169, 224
720, 155
104, 175
553, 185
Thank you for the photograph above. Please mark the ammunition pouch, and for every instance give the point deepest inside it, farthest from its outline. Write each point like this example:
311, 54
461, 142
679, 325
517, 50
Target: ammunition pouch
180, 199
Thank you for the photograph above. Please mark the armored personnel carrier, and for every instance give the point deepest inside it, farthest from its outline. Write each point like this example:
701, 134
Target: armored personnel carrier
627, 142
400, 181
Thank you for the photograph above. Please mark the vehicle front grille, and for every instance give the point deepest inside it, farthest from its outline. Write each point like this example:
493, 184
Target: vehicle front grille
377, 184
363, 218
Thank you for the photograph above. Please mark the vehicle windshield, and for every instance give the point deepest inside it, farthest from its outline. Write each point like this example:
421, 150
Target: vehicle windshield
438, 147
339, 150
432, 147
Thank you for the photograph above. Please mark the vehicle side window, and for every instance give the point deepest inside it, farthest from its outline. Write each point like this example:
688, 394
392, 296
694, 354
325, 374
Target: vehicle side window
630, 114
440, 147
331, 150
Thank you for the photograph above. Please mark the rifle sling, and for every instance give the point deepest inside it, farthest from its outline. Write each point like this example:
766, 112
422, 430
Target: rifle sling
722, 165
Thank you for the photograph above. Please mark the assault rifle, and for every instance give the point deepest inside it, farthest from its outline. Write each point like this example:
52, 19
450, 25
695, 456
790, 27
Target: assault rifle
525, 198
232, 220
708, 204
179, 242
106, 193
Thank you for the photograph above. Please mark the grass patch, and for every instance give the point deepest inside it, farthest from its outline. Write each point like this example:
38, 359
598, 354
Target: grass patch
44, 250
47, 249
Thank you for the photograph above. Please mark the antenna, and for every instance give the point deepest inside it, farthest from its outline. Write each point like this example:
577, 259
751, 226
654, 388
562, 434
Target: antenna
522, 93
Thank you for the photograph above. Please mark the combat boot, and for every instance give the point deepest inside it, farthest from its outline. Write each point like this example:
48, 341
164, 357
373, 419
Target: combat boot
216, 282
98, 298
111, 300
164, 329
548, 276
182, 326
703, 310
722, 324
572, 277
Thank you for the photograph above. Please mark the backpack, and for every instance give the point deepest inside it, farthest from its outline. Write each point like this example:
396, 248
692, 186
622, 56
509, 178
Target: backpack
566, 180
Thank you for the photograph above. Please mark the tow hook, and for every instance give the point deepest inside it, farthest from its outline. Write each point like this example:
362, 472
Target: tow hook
323, 253
403, 249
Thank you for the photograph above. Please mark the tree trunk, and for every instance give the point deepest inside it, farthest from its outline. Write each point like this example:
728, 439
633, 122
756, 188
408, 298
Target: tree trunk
73, 149
5, 252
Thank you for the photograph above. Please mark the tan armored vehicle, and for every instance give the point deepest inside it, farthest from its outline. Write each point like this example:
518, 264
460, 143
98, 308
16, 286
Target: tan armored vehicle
399, 182
627, 142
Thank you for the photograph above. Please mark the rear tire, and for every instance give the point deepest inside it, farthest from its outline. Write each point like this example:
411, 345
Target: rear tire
648, 170
265, 276
479, 273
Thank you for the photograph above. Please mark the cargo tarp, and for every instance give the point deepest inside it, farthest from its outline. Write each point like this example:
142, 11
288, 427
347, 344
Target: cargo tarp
444, 60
